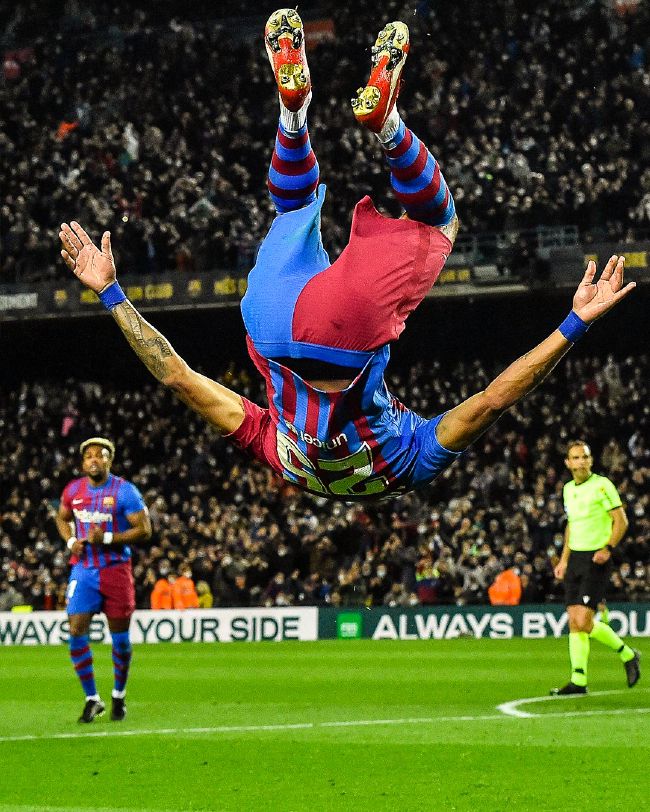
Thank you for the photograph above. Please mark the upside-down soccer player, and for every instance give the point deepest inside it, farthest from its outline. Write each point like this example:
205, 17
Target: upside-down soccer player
319, 332
109, 515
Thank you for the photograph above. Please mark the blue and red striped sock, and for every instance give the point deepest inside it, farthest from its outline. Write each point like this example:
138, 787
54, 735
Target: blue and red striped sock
121, 660
294, 172
82, 660
417, 180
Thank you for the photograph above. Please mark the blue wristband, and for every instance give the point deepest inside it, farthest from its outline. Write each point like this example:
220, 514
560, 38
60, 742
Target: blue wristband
111, 296
573, 327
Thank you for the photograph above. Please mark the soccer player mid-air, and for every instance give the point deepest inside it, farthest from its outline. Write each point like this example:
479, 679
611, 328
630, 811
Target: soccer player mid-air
319, 332
109, 515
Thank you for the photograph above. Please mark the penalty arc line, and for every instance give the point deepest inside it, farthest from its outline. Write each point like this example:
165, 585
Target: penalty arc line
512, 708
225, 729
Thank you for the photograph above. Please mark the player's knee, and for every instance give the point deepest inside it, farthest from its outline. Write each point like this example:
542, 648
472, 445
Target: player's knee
581, 620
78, 626
450, 229
581, 626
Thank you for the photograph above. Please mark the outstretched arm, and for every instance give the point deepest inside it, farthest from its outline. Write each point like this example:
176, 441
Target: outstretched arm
220, 406
467, 421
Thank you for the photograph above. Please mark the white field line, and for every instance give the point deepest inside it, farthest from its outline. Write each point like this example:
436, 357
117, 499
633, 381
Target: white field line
32, 808
504, 715
512, 708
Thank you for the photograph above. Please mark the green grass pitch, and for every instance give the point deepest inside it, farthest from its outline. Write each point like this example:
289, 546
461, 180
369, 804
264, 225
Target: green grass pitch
333, 725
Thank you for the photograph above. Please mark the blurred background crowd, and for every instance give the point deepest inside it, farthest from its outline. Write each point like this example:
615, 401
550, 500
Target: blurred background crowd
243, 537
158, 123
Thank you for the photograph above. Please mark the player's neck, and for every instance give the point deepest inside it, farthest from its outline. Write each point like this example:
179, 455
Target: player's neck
97, 483
580, 478
320, 374
331, 386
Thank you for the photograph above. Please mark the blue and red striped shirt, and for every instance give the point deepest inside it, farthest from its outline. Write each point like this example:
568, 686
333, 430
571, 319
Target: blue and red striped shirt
358, 443
106, 506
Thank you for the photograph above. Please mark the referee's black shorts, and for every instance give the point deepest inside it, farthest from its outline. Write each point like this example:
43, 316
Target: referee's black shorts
585, 583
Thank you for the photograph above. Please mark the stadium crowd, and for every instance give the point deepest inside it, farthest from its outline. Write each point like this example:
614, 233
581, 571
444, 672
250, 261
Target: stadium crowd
157, 122
247, 538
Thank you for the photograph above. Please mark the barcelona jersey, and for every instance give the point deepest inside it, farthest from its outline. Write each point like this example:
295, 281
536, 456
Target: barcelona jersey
357, 443
106, 506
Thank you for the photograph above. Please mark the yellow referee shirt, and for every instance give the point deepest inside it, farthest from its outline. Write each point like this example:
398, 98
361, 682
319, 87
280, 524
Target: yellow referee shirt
587, 507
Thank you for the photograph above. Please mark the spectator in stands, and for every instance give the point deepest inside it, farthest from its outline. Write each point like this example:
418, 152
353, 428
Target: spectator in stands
162, 595
426, 579
183, 590
204, 593
9, 596
506, 588
638, 583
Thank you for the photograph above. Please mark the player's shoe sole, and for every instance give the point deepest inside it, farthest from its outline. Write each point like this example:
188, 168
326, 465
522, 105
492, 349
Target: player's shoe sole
284, 39
569, 689
374, 102
633, 669
118, 709
92, 709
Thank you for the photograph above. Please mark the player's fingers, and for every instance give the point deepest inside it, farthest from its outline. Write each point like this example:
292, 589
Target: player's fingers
69, 261
609, 268
617, 275
590, 272
621, 294
67, 244
106, 244
72, 237
81, 234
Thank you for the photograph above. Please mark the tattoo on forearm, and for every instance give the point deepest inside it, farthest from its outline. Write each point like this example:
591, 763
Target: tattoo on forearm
153, 351
539, 371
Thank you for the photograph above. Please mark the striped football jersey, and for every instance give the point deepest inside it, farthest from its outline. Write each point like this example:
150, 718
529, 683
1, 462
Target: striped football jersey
357, 443
106, 506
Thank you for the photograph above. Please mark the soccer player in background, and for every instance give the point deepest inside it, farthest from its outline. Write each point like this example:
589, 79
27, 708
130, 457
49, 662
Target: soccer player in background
99, 517
319, 332
596, 524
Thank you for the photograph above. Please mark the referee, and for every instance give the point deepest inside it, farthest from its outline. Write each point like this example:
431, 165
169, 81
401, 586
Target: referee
596, 524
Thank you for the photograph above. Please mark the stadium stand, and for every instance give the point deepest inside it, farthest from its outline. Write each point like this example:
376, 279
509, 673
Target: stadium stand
255, 540
142, 122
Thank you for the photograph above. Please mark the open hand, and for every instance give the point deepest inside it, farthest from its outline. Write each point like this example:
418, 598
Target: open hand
594, 299
95, 268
